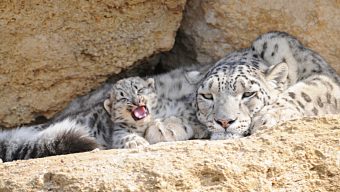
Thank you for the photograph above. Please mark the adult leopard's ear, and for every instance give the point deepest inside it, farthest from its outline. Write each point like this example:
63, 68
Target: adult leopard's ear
277, 75
150, 82
193, 77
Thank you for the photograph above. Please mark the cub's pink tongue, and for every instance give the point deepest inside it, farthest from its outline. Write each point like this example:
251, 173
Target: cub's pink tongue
139, 113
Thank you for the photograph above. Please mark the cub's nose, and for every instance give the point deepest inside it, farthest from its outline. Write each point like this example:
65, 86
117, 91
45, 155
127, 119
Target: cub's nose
225, 123
136, 101
139, 101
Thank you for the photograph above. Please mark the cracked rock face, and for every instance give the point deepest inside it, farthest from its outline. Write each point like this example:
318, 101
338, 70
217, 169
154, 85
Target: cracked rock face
210, 29
301, 155
51, 52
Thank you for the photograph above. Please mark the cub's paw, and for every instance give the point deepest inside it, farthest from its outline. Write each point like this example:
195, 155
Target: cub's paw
135, 142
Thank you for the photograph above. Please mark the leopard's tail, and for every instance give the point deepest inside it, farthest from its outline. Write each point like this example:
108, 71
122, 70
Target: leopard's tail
64, 137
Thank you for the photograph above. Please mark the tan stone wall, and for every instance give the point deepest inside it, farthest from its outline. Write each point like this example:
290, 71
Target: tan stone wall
296, 156
52, 51
210, 29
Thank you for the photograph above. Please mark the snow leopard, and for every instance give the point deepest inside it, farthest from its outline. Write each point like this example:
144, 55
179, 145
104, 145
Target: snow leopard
174, 84
90, 127
142, 116
275, 80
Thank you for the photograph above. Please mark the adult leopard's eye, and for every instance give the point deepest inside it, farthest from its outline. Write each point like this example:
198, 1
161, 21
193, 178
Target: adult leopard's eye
207, 96
248, 94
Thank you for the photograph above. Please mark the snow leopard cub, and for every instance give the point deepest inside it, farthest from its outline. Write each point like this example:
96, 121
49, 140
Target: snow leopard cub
144, 117
86, 125
173, 85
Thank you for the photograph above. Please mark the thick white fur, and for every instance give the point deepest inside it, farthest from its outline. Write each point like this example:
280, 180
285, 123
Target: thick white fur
17, 137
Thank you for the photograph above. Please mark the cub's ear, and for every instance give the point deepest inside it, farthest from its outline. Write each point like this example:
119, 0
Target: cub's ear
193, 77
108, 102
278, 75
150, 82
108, 105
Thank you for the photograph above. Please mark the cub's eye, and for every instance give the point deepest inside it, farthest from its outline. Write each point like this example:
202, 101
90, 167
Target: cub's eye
248, 94
141, 90
207, 96
122, 100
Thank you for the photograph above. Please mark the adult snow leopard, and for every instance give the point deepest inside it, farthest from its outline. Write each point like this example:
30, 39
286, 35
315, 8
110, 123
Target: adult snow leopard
276, 80
90, 127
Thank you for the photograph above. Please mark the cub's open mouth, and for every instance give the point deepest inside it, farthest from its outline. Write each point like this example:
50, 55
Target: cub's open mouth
140, 113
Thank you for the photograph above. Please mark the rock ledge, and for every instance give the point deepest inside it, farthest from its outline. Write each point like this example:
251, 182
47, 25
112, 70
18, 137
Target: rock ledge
301, 155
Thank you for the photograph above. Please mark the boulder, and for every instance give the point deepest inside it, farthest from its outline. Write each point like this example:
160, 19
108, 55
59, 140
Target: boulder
210, 29
300, 155
53, 51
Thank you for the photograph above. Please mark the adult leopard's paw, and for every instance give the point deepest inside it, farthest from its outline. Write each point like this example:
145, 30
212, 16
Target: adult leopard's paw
158, 132
263, 121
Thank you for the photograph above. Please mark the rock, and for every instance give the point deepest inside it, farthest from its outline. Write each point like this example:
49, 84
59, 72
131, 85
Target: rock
210, 29
51, 52
301, 155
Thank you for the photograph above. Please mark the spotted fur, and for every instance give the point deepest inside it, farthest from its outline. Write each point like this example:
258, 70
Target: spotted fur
275, 80
277, 47
175, 84
168, 119
64, 137
86, 125
314, 86
225, 99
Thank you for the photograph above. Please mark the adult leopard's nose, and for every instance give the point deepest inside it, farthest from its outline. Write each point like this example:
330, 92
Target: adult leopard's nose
225, 123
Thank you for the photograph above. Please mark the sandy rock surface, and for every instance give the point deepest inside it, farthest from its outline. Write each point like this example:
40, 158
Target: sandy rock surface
296, 156
210, 29
52, 51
